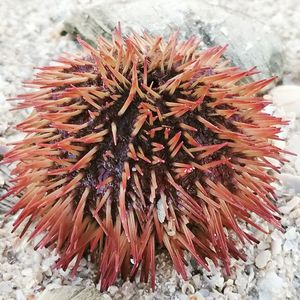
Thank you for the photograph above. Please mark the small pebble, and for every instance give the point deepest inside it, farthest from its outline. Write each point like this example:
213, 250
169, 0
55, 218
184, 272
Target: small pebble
20, 295
197, 296
27, 272
276, 246
287, 97
187, 288
290, 205
6, 287
197, 280
113, 290
262, 259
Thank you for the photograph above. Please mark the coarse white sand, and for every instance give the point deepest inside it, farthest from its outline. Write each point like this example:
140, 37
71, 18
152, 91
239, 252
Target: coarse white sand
30, 36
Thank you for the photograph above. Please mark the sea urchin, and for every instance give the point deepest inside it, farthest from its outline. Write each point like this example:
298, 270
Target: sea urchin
143, 143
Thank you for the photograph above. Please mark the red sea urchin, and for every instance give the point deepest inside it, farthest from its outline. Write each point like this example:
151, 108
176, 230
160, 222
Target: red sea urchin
142, 143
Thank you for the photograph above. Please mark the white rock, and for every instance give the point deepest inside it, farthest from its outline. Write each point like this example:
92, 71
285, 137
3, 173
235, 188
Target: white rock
7, 276
62, 293
290, 245
204, 292
93, 294
251, 274
20, 295
241, 281
187, 288
27, 272
262, 259
290, 205
98, 297
128, 288
6, 287
291, 234
276, 246
64, 272
53, 286
290, 181
233, 296
38, 276
213, 23
263, 245
294, 143
37, 257
181, 296
57, 280
113, 290
197, 280
227, 290
197, 296
217, 280
172, 288
295, 213
279, 261
287, 97
270, 287
229, 282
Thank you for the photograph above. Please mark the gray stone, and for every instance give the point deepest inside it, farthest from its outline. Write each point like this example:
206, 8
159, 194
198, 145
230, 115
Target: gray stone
63, 293
250, 42
290, 181
91, 294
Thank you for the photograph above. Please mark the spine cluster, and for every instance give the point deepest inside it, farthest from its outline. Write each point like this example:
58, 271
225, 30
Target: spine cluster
140, 144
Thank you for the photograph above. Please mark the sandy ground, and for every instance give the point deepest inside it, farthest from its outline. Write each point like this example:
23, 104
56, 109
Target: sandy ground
30, 36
